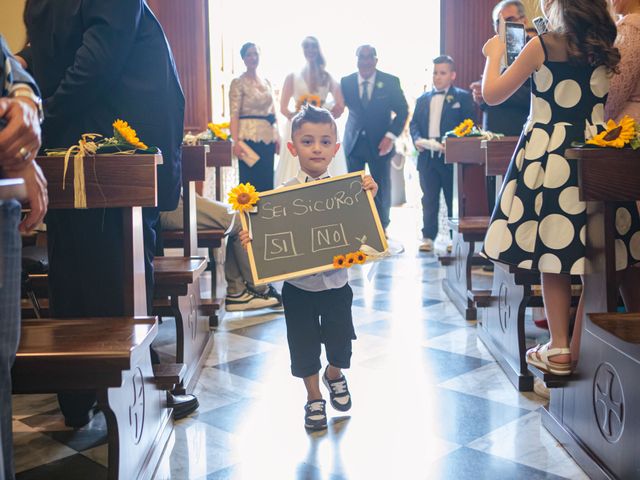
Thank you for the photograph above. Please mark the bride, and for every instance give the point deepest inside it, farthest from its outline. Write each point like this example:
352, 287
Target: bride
312, 85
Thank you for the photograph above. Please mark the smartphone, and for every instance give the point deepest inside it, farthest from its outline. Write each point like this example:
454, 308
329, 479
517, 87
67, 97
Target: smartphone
515, 39
541, 25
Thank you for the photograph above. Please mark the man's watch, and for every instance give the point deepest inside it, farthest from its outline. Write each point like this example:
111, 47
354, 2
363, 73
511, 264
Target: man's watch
28, 93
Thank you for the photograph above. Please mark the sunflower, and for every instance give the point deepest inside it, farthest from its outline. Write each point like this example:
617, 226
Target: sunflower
308, 99
243, 197
339, 261
218, 130
361, 257
464, 128
616, 135
125, 134
350, 259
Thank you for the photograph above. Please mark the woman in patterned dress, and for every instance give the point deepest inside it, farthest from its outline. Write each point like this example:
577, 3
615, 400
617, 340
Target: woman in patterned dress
539, 222
253, 120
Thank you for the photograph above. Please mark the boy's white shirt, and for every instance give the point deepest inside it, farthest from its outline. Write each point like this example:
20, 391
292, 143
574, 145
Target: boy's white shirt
317, 282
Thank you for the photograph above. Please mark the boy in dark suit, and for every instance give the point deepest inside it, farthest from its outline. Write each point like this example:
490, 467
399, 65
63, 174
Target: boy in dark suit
437, 112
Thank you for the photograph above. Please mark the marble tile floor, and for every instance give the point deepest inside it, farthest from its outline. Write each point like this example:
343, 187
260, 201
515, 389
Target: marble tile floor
429, 401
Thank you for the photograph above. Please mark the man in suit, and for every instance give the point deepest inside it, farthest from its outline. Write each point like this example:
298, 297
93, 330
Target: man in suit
96, 61
510, 116
19, 143
437, 112
378, 113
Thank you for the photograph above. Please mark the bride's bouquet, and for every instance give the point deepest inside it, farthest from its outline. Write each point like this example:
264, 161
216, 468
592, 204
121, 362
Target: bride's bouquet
308, 99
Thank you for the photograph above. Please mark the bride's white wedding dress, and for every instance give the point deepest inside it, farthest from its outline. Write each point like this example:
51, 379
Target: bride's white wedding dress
288, 165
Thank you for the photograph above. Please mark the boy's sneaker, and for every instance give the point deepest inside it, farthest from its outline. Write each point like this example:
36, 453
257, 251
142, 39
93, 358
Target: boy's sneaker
271, 293
315, 415
338, 392
249, 300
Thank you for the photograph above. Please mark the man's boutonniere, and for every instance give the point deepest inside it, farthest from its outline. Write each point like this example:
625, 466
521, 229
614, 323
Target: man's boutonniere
617, 135
449, 98
379, 84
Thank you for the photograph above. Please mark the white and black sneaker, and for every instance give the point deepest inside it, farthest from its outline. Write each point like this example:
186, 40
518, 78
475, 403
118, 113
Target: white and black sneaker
315, 415
249, 300
271, 293
338, 392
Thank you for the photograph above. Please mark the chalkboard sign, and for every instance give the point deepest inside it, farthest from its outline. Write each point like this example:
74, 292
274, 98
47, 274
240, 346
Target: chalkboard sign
297, 230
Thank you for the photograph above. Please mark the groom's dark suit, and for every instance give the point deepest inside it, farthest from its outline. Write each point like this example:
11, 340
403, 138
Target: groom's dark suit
385, 112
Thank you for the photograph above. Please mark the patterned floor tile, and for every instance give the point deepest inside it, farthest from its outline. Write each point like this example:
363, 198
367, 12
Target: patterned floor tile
472, 464
527, 442
490, 383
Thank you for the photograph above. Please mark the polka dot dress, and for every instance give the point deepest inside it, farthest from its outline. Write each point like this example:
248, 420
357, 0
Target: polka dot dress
539, 222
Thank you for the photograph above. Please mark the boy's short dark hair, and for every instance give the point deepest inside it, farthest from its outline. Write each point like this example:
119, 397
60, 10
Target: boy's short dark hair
445, 59
310, 114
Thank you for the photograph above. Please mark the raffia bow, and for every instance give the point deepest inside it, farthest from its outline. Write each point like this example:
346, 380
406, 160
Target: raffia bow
86, 146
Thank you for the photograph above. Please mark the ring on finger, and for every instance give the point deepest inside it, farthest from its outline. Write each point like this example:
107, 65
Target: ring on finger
24, 153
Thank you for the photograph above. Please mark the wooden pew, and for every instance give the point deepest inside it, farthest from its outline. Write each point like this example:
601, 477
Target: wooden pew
501, 326
594, 415
177, 282
108, 355
469, 226
219, 156
193, 157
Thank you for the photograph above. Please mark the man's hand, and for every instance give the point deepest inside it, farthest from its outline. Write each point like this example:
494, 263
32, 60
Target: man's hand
368, 183
423, 144
385, 146
20, 138
36, 193
476, 91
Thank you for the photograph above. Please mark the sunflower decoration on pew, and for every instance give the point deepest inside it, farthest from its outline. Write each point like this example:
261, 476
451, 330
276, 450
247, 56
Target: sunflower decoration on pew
243, 197
618, 135
219, 131
468, 128
464, 129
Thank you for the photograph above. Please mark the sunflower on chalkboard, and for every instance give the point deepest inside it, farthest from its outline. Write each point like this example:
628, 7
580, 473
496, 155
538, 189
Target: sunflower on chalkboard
243, 197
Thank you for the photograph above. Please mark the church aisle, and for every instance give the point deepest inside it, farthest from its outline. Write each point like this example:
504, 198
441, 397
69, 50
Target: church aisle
429, 401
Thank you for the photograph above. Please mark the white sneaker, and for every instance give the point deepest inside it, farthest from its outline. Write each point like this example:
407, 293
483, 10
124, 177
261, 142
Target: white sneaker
248, 300
427, 245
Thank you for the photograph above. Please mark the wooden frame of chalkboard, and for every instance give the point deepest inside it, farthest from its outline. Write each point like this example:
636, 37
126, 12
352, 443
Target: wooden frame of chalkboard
333, 219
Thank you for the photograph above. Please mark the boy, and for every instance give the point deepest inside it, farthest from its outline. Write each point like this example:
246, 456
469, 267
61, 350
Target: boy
317, 308
437, 112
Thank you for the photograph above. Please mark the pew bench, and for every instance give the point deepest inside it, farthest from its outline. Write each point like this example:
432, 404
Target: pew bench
469, 225
111, 357
467, 232
177, 280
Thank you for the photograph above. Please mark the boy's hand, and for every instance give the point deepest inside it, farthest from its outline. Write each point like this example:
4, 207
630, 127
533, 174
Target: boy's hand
245, 238
368, 183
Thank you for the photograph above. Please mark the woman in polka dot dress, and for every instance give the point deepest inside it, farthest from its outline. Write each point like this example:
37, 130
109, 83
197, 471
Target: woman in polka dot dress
539, 222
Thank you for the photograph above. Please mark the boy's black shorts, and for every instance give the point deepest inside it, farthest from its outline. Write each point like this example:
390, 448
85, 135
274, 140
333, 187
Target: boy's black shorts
314, 318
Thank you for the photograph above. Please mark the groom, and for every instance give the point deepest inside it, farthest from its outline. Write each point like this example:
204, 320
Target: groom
378, 112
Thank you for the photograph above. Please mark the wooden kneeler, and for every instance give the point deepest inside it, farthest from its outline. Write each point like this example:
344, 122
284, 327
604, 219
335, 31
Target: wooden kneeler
107, 355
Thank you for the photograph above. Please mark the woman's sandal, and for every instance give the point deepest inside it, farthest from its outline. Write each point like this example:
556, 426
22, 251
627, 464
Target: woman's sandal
540, 357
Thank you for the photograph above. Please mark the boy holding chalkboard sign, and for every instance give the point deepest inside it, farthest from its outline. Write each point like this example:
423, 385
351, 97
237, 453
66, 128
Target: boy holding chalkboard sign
318, 307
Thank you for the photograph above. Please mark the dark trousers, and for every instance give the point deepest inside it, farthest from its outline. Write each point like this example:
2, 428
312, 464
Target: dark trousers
86, 252
380, 168
10, 248
261, 174
314, 318
434, 175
